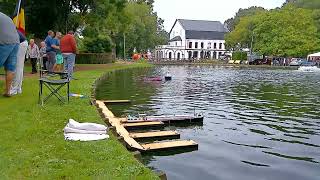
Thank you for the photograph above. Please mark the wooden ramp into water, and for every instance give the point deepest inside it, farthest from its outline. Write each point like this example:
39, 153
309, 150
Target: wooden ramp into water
130, 138
169, 145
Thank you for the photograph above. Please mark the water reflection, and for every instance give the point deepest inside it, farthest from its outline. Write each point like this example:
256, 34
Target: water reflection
260, 123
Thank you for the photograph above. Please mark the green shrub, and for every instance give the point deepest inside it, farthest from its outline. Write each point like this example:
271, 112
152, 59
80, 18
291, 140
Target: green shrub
239, 55
99, 44
94, 58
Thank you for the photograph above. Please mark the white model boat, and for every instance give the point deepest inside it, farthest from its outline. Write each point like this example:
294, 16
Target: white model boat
309, 69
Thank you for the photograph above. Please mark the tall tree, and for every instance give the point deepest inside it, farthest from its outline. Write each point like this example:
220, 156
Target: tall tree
288, 31
233, 22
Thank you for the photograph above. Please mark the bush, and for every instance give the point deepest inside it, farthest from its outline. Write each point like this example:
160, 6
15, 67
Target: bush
239, 55
99, 44
94, 58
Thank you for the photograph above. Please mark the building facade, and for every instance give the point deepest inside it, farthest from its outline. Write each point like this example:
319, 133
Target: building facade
193, 40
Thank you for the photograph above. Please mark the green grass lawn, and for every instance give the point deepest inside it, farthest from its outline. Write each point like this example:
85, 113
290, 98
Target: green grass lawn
32, 144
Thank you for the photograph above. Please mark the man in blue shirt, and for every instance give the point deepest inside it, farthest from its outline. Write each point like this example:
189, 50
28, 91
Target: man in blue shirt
52, 46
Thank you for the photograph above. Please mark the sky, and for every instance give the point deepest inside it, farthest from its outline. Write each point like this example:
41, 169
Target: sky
215, 10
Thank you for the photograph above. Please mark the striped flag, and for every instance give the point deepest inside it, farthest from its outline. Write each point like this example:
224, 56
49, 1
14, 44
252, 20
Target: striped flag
19, 18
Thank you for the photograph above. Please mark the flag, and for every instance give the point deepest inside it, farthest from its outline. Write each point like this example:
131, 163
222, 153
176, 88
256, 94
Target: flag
18, 17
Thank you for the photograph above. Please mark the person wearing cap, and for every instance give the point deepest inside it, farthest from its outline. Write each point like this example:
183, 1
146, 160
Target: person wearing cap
9, 46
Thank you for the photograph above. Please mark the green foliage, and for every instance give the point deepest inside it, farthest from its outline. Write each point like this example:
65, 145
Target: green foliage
233, 22
239, 55
288, 31
99, 44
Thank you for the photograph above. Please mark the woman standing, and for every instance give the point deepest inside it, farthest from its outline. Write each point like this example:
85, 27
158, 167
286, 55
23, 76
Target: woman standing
33, 54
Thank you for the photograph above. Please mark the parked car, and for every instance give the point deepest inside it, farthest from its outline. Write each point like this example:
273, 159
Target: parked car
296, 62
308, 63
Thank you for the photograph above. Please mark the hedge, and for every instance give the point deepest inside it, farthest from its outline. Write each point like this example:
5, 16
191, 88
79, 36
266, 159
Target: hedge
94, 58
239, 55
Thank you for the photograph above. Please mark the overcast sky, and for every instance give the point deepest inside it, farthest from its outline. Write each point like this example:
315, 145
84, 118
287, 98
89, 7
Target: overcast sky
216, 10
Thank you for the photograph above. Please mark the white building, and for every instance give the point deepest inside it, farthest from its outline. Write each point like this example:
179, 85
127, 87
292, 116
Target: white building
193, 39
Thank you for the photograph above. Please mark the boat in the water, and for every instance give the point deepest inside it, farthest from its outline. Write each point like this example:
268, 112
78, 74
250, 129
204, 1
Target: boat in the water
168, 77
309, 69
153, 79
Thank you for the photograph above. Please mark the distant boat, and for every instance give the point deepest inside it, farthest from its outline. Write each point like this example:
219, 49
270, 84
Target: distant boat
309, 69
168, 77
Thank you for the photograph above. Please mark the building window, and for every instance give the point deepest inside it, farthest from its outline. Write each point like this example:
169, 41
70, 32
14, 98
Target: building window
176, 44
190, 45
196, 45
215, 46
202, 45
220, 46
209, 45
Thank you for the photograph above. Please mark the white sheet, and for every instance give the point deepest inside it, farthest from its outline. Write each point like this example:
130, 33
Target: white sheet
85, 137
80, 131
86, 126
75, 131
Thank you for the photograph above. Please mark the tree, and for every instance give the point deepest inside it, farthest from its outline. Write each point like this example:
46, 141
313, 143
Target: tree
233, 22
288, 31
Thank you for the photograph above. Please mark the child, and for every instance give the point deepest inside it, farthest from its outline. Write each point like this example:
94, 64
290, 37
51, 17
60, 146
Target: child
59, 61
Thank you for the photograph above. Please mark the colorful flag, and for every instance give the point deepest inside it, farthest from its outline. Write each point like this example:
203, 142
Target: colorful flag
18, 17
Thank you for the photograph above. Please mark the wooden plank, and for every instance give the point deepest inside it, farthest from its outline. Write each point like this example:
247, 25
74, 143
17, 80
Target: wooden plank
169, 145
116, 101
156, 134
143, 125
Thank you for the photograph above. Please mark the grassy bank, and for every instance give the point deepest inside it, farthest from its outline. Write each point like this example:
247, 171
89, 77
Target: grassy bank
32, 144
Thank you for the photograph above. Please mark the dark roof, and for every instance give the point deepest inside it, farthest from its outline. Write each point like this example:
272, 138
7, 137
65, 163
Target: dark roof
201, 25
205, 35
177, 38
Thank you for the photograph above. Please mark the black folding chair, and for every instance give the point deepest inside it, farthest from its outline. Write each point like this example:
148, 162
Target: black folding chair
53, 85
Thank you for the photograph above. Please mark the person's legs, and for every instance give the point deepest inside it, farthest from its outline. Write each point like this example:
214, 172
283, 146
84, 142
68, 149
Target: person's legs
34, 65
10, 67
51, 61
44, 63
16, 86
71, 60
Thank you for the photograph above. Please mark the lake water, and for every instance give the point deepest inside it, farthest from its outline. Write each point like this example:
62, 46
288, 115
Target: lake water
259, 123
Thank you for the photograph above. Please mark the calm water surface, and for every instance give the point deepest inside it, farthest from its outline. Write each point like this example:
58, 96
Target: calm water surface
259, 123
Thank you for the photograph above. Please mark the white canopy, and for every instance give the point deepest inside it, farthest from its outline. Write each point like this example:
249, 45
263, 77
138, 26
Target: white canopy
314, 55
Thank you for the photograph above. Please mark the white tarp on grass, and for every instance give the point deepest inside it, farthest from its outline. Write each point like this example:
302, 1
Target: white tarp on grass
75, 131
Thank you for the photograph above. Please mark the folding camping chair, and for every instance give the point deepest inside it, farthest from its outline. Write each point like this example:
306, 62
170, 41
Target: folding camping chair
53, 85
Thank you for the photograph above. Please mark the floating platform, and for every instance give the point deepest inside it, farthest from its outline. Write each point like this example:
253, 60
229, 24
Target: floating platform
143, 125
122, 128
166, 119
170, 145
156, 135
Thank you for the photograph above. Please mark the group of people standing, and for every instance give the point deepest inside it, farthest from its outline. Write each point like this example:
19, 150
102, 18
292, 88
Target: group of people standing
55, 51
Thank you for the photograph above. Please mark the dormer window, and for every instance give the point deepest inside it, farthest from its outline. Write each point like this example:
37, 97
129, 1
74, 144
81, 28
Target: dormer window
190, 45
196, 45
215, 46
202, 45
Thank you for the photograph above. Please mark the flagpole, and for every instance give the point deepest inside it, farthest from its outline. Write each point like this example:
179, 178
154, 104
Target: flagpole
18, 12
